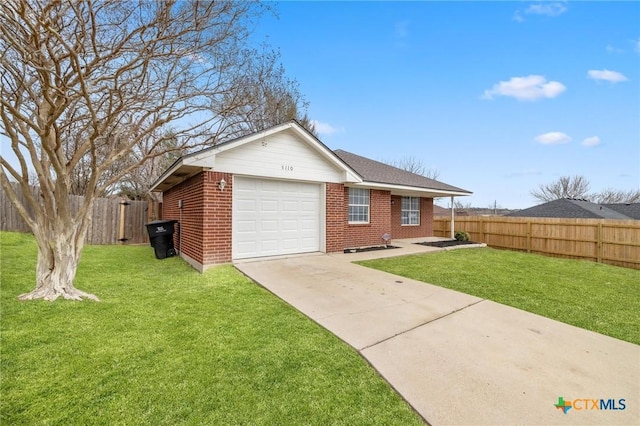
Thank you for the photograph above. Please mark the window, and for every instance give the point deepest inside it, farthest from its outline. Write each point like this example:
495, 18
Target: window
410, 211
358, 205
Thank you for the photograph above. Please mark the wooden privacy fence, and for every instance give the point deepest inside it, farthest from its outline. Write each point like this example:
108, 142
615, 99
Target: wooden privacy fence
114, 220
616, 242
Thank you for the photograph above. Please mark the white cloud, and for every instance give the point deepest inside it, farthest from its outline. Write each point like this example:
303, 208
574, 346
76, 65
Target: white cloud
324, 128
518, 16
612, 49
552, 138
591, 141
526, 88
606, 75
548, 9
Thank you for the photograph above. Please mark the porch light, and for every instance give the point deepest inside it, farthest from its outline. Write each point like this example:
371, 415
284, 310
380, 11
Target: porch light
222, 184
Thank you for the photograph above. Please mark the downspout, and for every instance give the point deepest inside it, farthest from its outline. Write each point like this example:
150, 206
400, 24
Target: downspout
452, 219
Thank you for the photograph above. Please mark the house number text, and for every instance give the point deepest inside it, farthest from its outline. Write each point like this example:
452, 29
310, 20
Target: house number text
287, 168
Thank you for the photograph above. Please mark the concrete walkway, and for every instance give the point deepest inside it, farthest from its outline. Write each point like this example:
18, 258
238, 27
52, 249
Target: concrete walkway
458, 359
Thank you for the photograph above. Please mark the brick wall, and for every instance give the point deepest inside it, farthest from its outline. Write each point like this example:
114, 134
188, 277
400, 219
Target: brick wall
189, 230
336, 217
369, 234
425, 229
206, 217
216, 228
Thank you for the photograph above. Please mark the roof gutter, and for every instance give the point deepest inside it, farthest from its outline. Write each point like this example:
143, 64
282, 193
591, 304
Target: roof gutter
414, 189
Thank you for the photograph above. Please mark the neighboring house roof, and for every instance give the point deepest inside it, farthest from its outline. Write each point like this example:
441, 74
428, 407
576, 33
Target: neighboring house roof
444, 212
376, 172
571, 208
631, 210
440, 211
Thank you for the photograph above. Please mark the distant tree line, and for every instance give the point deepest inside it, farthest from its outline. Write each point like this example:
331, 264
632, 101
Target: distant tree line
577, 187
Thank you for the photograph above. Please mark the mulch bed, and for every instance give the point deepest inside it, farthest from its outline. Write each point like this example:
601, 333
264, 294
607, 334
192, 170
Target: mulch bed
360, 250
443, 244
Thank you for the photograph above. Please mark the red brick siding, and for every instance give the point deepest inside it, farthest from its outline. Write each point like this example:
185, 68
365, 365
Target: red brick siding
191, 194
369, 234
425, 229
206, 216
336, 217
216, 233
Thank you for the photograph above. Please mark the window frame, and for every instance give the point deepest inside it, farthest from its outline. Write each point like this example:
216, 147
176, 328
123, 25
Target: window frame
354, 192
406, 213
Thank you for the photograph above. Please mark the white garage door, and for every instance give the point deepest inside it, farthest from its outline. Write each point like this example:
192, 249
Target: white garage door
272, 217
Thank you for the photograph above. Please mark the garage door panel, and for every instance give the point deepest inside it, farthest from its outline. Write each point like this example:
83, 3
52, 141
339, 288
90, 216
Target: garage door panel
268, 226
246, 226
247, 246
269, 186
309, 206
273, 217
290, 187
245, 185
307, 225
269, 247
290, 225
290, 206
269, 206
244, 205
290, 243
308, 190
308, 242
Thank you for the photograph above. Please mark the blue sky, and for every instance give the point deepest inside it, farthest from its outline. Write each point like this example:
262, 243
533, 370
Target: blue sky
497, 96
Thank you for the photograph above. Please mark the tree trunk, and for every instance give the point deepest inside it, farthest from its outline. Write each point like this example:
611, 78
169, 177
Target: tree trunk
58, 259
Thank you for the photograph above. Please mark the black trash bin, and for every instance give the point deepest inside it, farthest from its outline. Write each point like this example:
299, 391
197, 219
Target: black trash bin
161, 237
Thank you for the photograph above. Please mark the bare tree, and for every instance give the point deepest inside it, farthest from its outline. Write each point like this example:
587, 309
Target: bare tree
611, 195
275, 98
459, 205
89, 91
412, 164
135, 185
565, 187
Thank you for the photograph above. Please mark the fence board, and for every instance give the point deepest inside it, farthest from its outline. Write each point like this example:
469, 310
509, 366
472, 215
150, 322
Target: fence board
105, 217
615, 242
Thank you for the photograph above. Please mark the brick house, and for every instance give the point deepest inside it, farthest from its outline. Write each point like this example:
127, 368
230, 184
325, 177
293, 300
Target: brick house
282, 191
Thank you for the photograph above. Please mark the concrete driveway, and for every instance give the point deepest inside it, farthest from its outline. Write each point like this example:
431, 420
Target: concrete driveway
458, 359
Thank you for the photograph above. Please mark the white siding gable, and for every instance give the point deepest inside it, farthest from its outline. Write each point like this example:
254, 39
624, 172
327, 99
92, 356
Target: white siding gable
282, 155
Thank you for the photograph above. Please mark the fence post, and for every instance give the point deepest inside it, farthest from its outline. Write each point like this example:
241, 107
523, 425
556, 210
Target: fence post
121, 233
452, 218
528, 236
599, 242
482, 230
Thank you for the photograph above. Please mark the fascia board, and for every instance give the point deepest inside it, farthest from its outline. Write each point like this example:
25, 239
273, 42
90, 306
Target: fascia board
413, 189
205, 159
166, 174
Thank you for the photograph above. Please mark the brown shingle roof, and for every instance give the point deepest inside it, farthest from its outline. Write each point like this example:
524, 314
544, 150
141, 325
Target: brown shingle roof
375, 171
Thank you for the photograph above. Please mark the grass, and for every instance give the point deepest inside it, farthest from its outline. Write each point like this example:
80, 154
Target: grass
167, 345
593, 296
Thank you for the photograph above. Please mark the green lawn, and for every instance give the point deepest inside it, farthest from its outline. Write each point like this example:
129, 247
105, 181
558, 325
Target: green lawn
167, 345
597, 297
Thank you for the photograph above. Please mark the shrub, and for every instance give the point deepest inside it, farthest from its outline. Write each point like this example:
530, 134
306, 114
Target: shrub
462, 236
